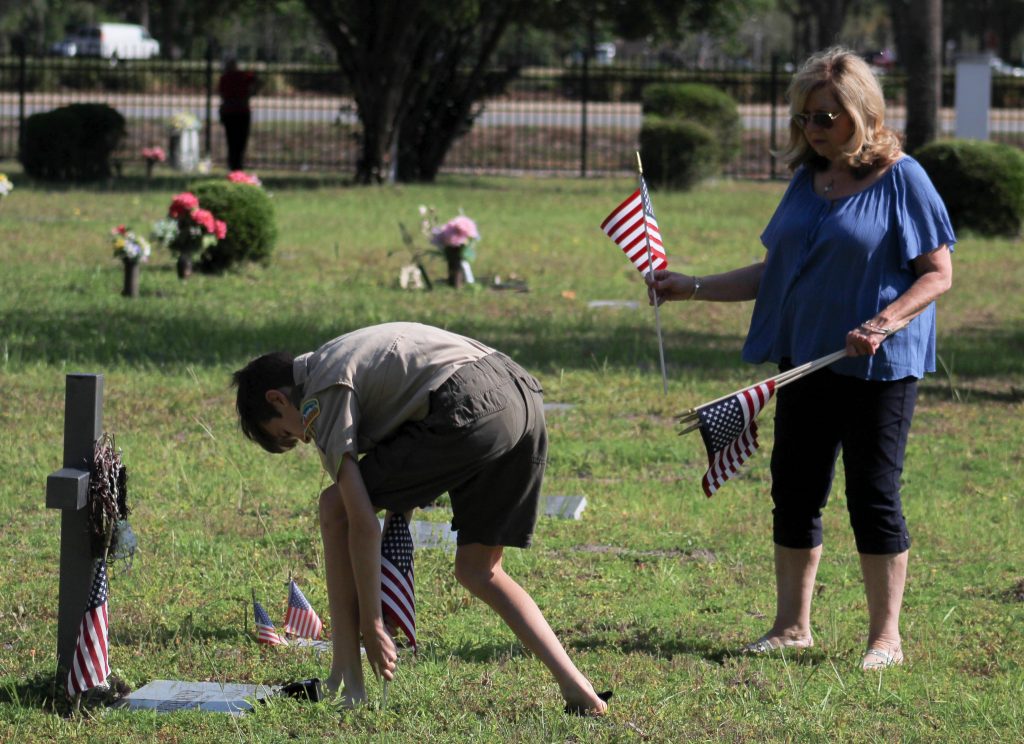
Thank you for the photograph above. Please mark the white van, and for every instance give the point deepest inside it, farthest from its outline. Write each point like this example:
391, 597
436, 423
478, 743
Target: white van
109, 40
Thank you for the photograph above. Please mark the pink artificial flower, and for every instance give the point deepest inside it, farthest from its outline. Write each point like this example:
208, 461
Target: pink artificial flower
243, 177
205, 218
155, 154
220, 229
457, 231
183, 204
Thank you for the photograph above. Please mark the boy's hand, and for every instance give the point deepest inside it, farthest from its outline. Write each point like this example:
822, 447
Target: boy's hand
380, 650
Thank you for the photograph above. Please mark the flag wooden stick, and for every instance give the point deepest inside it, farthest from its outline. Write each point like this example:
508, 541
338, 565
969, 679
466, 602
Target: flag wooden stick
650, 267
384, 696
691, 417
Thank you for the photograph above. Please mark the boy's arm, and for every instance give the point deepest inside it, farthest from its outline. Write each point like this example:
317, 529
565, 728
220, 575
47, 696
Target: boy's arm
364, 552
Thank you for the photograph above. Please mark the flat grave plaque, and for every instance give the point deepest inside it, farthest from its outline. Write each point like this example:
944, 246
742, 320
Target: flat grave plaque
548, 407
168, 695
615, 304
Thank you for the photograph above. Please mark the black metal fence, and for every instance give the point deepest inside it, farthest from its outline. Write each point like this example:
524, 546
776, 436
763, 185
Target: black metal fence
571, 120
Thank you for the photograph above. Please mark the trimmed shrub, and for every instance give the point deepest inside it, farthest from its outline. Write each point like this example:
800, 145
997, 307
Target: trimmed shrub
249, 214
704, 104
677, 154
982, 184
72, 143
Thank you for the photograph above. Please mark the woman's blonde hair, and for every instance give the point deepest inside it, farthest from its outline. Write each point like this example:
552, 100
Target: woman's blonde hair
872, 145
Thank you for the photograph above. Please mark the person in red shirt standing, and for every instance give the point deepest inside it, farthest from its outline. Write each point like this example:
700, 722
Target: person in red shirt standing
236, 87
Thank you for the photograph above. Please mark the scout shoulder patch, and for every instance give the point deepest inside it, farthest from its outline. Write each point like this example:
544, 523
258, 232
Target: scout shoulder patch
310, 410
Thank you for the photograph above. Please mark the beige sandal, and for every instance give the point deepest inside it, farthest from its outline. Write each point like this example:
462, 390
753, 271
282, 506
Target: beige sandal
876, 659
765, 644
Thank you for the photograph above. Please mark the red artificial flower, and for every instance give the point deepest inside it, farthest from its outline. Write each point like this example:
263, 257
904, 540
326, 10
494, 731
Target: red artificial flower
183, 204
205, 218
220, 229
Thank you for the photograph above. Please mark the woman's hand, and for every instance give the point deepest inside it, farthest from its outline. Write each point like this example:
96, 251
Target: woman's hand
664, 285
380, 650
866, 338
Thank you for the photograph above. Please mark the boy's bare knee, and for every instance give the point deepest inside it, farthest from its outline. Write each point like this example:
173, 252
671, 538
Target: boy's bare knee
332, 508
474, 574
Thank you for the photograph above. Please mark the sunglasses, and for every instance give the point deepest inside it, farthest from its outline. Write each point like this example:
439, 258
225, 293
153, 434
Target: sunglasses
821, 119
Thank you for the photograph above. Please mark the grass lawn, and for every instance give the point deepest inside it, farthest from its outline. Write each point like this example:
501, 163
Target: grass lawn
653, 591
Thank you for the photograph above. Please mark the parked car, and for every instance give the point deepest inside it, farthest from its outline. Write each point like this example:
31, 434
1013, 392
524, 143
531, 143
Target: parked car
110, 41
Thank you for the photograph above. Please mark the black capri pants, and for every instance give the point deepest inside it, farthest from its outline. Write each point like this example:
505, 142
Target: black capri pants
815, 418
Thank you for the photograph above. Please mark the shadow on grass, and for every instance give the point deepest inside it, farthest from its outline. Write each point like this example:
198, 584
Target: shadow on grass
148, 334
124, 336
653, 642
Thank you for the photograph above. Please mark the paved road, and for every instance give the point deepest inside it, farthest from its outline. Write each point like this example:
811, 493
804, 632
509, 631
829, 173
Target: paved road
621, 116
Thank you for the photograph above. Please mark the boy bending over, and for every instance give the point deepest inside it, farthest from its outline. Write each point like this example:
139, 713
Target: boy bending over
430, 412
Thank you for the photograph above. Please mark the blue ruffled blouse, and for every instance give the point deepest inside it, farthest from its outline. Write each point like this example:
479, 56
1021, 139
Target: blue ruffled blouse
833, 264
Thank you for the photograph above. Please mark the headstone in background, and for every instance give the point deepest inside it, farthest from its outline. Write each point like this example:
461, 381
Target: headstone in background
167, 696
973, 95
430, 534
67, 489
565, 507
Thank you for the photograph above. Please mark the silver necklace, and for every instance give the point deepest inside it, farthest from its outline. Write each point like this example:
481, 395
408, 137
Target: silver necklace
828, 187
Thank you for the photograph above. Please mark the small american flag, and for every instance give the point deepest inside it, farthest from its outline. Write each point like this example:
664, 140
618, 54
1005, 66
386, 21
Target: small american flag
301, 619
730, 433
397, 597
265, 632
90, 666
631, 225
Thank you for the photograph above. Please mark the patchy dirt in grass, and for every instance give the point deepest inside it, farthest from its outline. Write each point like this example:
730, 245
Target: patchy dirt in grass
700, 555
1016, 594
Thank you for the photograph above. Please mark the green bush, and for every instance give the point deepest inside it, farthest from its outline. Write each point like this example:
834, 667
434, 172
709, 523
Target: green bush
72, 143
982, 184
714, 110
249, 214
677, 154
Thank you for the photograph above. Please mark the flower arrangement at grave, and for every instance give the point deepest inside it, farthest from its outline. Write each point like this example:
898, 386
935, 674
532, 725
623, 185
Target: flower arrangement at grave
131, 249
188, 230
456, 240
183, 121
6, 187
152, 156
250, 179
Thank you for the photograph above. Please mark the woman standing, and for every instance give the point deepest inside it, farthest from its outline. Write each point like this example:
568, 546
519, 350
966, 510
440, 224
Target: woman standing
858, 250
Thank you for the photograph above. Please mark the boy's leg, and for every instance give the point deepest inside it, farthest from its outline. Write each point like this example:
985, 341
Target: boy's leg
346, 662
478, 568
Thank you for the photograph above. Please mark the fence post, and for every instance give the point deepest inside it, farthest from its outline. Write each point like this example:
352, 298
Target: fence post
209, 95
585, 94
773, 94
20, 47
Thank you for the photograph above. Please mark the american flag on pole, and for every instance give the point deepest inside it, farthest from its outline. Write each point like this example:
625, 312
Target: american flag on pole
397, 597
265, 632
301, 619
90, 666
631, 225
730, 432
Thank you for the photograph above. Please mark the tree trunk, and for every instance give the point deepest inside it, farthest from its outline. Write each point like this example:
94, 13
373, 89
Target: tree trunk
923, 62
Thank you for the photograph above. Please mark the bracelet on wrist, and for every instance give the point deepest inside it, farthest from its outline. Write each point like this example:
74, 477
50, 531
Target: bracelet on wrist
872, 328
696, 287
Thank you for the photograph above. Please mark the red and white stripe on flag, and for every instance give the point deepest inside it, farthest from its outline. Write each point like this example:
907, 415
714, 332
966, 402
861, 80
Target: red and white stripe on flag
301, 619
90, 666
631, 229
730, 433
398, 598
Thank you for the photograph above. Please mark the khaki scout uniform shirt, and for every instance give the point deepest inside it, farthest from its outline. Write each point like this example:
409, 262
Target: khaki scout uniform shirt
358, 389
